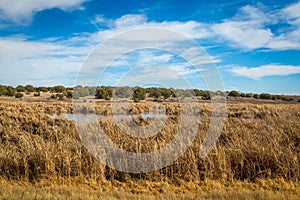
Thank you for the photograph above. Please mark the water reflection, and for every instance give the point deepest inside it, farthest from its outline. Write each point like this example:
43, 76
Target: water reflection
116, 117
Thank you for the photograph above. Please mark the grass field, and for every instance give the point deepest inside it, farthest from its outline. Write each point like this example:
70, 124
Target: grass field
257, 155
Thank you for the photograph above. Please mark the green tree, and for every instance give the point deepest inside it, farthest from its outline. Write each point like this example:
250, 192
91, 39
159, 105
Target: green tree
42, 89
233, 93
139, 94
18, 95
20, 88
265, 96
59, 89
122, 92
155, 92
29, 88
10, 91
166, 93
3, 90
102, 93
206, 95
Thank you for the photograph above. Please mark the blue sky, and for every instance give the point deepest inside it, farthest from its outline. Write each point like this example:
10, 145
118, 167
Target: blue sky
255, 45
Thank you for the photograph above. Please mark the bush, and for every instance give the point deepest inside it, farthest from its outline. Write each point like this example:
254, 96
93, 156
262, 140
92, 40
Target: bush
233, 93
3, 90
255, 96
11, 91
59, 88
102, 93
69, 94
60, 96
265, 96
139, 94
37, 94
19, 95
248, 95
206, 95
20, 88
42, 89
29, 88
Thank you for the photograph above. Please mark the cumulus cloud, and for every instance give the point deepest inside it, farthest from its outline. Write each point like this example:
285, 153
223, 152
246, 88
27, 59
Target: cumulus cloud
20, 11
24, 61
293, 10
243, 34
265, 70
191, 29
249, 28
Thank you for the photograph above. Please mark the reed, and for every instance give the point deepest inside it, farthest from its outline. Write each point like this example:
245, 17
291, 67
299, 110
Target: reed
257, 142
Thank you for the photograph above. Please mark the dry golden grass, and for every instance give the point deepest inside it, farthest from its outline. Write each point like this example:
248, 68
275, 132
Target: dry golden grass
258, 154
82, 188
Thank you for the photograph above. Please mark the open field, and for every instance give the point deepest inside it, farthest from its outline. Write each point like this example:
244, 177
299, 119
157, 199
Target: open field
257, 155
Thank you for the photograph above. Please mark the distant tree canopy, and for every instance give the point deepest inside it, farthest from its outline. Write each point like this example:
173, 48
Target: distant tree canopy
134, 93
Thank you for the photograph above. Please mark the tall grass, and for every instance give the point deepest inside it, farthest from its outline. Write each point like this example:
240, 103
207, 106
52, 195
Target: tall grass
257, 142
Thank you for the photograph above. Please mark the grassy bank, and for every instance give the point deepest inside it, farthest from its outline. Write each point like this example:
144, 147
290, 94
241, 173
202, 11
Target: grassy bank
82, 188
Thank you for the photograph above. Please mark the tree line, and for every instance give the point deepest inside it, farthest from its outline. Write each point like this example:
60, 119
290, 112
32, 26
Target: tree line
135, 93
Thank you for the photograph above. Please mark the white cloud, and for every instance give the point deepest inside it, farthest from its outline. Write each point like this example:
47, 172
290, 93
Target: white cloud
248, 29
289, 38
130, 20
24, 61
265, 70
243, 34
190, 29
293, 10
22, 11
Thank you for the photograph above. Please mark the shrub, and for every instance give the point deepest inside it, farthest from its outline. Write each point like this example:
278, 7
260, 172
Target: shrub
20, 88
233, 93
59, 88
102, 93
139, 94
29, 88
3, 90
265, 96
60, 96
69, 94
206, 95
18, 95
42, 89
37, 94
248, 95
11, 91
